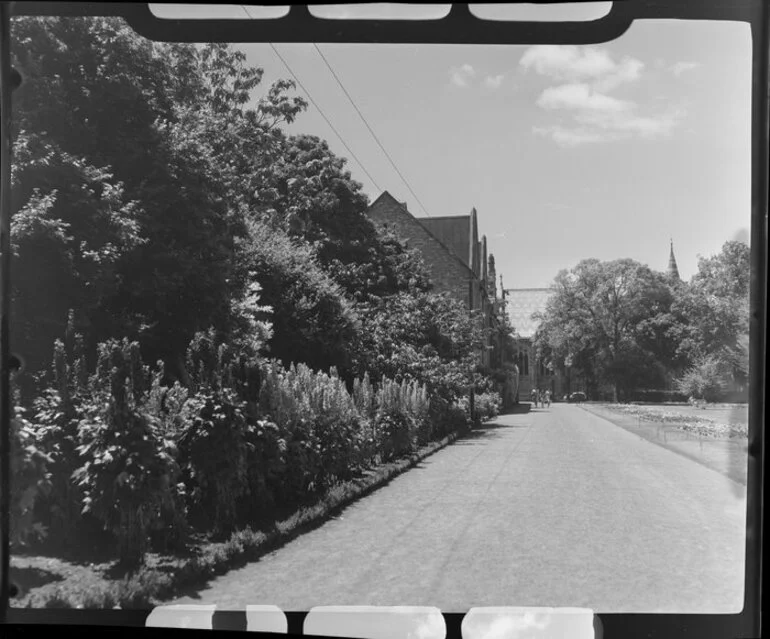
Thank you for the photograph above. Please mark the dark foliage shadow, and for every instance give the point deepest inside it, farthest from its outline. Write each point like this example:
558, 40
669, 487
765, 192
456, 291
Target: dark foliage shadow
520, 409
89, 546
25, 579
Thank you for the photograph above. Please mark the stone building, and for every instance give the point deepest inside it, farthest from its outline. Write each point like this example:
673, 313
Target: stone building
455, 257
521, 304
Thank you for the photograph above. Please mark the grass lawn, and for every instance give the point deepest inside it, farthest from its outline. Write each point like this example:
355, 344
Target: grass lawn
716, 437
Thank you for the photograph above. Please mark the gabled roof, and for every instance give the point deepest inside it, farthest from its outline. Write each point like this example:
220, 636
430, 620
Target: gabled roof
521, 304
462, 257
453, 232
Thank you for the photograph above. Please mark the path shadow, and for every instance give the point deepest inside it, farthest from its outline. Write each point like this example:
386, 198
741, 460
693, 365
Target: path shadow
22, 580
521, 409
485, 432
84, 549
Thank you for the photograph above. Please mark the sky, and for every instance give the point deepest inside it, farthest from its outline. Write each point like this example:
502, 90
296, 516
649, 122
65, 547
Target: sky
567, 152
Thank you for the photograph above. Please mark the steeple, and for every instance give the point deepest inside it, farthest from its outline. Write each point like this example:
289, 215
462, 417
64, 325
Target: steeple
673, 271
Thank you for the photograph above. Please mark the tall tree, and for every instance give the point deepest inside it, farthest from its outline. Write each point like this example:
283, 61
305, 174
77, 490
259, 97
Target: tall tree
712, 312
72, 226
314, 322
176, 136
598, 319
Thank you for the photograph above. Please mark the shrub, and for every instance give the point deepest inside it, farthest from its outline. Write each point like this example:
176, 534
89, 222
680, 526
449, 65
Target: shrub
365, 400
214, 448
285, 398
398, 435
322, 423
364, 397
402, 416
704, 380
224, 448
266, 467
129, 473
30, 480
55, 415
487, 405
656, 396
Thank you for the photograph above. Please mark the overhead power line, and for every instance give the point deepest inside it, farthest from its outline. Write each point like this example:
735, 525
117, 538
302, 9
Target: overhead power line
315, 104
374, 135
323, 115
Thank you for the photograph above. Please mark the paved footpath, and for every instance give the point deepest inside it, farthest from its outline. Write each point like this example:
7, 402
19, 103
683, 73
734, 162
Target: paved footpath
548, 507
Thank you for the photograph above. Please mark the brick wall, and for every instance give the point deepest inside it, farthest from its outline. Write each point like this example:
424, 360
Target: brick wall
446, 271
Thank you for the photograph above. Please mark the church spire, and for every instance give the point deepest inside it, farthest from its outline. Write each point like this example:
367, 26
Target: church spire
673, 271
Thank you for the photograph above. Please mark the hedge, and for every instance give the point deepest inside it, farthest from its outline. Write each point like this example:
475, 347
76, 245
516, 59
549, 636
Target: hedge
149, 463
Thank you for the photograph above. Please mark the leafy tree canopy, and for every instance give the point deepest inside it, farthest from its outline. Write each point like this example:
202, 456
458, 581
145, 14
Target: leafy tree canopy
599, 319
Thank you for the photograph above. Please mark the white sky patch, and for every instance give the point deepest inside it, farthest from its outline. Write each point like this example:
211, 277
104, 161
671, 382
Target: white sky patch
572, 137
461, 76
588, 75
580, 96
646, 126
493, 81
681, 67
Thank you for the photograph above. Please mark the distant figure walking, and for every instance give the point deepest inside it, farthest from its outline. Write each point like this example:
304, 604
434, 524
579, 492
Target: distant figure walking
533, 397
548, 398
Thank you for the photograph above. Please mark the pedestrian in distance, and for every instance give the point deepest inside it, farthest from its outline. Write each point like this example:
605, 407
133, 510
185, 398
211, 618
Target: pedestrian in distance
533, 397
548, 398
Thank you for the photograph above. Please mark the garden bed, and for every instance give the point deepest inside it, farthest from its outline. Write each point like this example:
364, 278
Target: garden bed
51, 582
723, 421
714, 442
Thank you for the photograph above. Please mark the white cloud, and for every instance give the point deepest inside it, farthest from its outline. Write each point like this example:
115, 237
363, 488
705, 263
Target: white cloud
580, 96
493, 81
629, 70
460, 76
647, 126
586, 77
680, 67
581, 64
464, 75
606, 126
